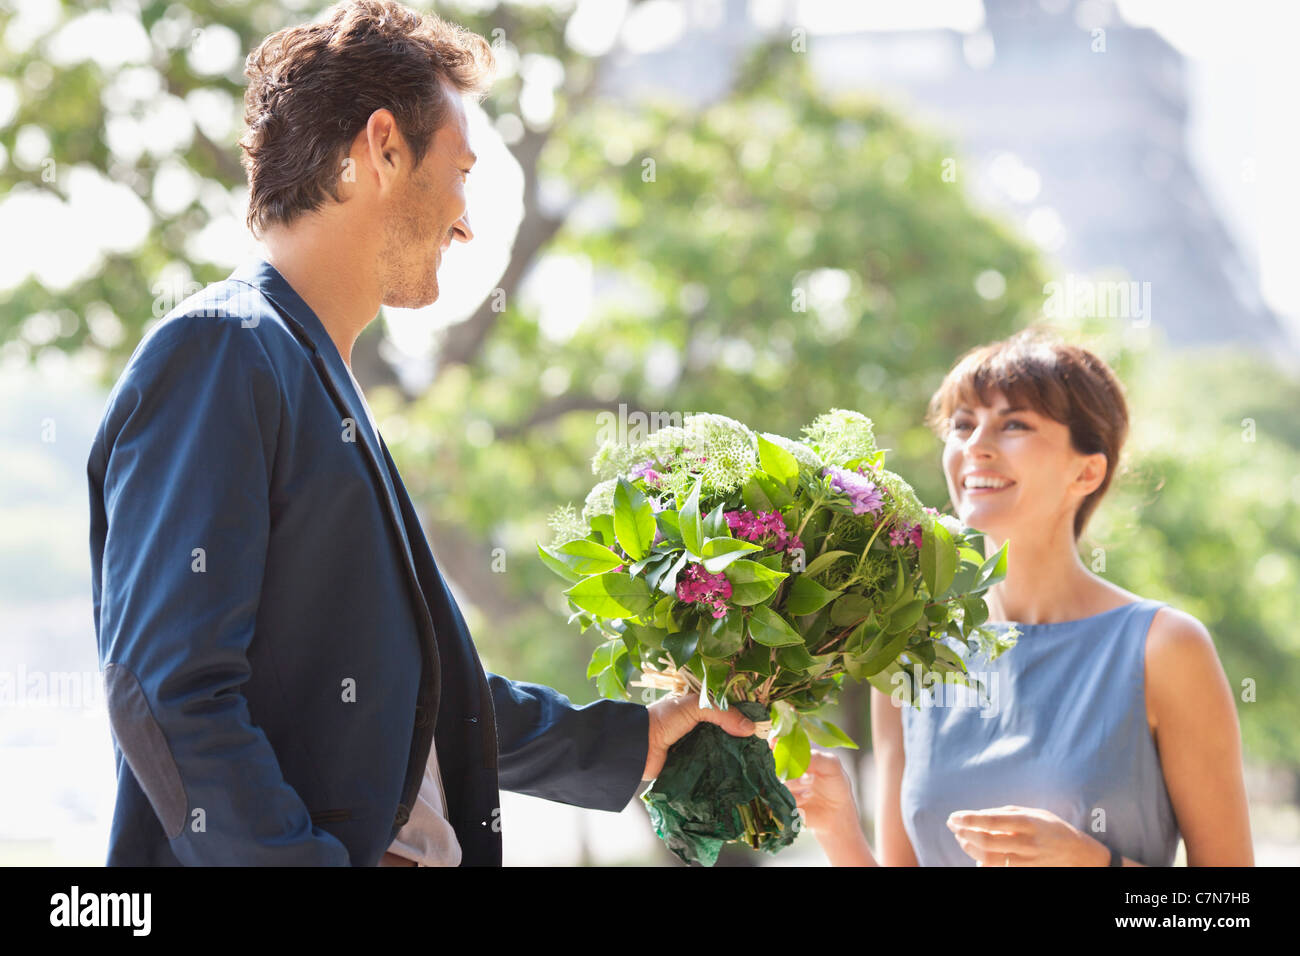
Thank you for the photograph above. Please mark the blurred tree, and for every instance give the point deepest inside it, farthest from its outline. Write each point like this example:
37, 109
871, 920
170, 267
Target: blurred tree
767, 257
1206, 516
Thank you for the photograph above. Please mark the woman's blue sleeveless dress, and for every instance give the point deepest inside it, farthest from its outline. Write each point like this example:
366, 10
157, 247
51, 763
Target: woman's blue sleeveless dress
1062, 726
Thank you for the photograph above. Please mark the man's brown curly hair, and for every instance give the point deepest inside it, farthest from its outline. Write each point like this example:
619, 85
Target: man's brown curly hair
313, 87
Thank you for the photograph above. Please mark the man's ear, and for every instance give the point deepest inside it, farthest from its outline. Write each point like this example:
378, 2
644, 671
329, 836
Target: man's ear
384, 147
1091, 474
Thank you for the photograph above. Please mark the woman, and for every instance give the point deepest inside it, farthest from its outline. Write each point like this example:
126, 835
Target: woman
1110, 728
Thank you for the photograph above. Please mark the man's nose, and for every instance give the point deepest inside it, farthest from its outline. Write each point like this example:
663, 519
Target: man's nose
461, 230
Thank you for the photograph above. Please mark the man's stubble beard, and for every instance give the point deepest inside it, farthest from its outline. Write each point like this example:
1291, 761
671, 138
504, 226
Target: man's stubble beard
408, 282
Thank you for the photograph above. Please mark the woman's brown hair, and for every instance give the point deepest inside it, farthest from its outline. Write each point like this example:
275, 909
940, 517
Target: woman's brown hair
1063, 382
313, 87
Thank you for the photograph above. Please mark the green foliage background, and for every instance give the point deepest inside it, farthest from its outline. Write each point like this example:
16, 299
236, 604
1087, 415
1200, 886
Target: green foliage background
775, 198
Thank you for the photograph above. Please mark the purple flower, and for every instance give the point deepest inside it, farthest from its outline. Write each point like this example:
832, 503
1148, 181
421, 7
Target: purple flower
859, 489
646, 470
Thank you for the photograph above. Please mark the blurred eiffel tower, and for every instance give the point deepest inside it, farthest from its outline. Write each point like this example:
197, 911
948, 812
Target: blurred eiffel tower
1084, 147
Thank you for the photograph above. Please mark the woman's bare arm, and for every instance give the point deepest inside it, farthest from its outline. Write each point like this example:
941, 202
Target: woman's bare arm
1199, 740
893, 847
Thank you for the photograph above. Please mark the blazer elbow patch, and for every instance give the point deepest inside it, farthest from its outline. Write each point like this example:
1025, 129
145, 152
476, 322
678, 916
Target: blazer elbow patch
144, 746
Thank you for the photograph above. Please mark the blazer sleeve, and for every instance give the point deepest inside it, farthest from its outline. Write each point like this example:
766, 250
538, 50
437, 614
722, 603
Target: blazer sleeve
590, 756
186, 459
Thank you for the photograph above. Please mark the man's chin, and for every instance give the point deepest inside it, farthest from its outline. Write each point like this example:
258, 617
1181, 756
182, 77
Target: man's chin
413, 302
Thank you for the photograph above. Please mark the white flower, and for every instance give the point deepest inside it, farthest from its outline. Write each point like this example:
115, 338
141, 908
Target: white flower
600, 501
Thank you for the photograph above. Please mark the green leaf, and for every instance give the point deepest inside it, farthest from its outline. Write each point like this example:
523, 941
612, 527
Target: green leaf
813, 626
715, 525
668, 527
849, 609
720, 552
825, 734
906, 616
768, 627
603, 656
634, 520
863, 635
792, 754
757, 659
884, 682
681, 646
977, 612
873, 662
900, 586
603, 525
656, 568
663, 615
963, 580
755, 499
751, 582
614, 594
947, 655
557, 564
627, 668
692, 526
724, 639
588, 557
610, 684
668, 583
715, 678
807, 596
938, 560
795, 657
824, 561
774, 490
992, 571
778, 462
650, 636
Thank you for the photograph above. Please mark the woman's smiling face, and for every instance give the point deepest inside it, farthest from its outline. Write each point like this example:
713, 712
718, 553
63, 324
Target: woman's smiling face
1010, 469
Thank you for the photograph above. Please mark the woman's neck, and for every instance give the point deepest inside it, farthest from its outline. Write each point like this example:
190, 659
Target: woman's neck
1046, 581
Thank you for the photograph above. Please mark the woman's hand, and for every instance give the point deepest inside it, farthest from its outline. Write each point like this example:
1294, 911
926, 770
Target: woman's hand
1022, 836
825, 797
824, 794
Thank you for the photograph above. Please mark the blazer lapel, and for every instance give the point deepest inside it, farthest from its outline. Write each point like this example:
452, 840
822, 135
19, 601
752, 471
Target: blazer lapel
334, 374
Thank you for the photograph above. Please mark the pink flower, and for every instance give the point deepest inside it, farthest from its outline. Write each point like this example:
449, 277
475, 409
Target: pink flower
899, 535
695, 585
764, 527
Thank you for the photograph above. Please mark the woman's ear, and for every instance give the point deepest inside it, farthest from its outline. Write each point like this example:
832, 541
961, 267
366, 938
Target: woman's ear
1091, 473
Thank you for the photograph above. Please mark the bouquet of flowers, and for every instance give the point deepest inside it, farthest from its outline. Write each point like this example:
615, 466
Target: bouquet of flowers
757, 571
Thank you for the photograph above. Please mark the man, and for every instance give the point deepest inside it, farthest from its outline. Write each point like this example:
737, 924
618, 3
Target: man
289, 680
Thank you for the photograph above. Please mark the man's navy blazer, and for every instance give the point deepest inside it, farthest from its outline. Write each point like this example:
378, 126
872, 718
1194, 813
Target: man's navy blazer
279, 648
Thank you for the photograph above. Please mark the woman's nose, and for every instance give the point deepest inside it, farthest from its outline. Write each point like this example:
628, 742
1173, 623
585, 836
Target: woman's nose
979, 444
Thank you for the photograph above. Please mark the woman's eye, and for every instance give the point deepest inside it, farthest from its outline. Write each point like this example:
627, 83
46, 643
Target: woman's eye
1018, 424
